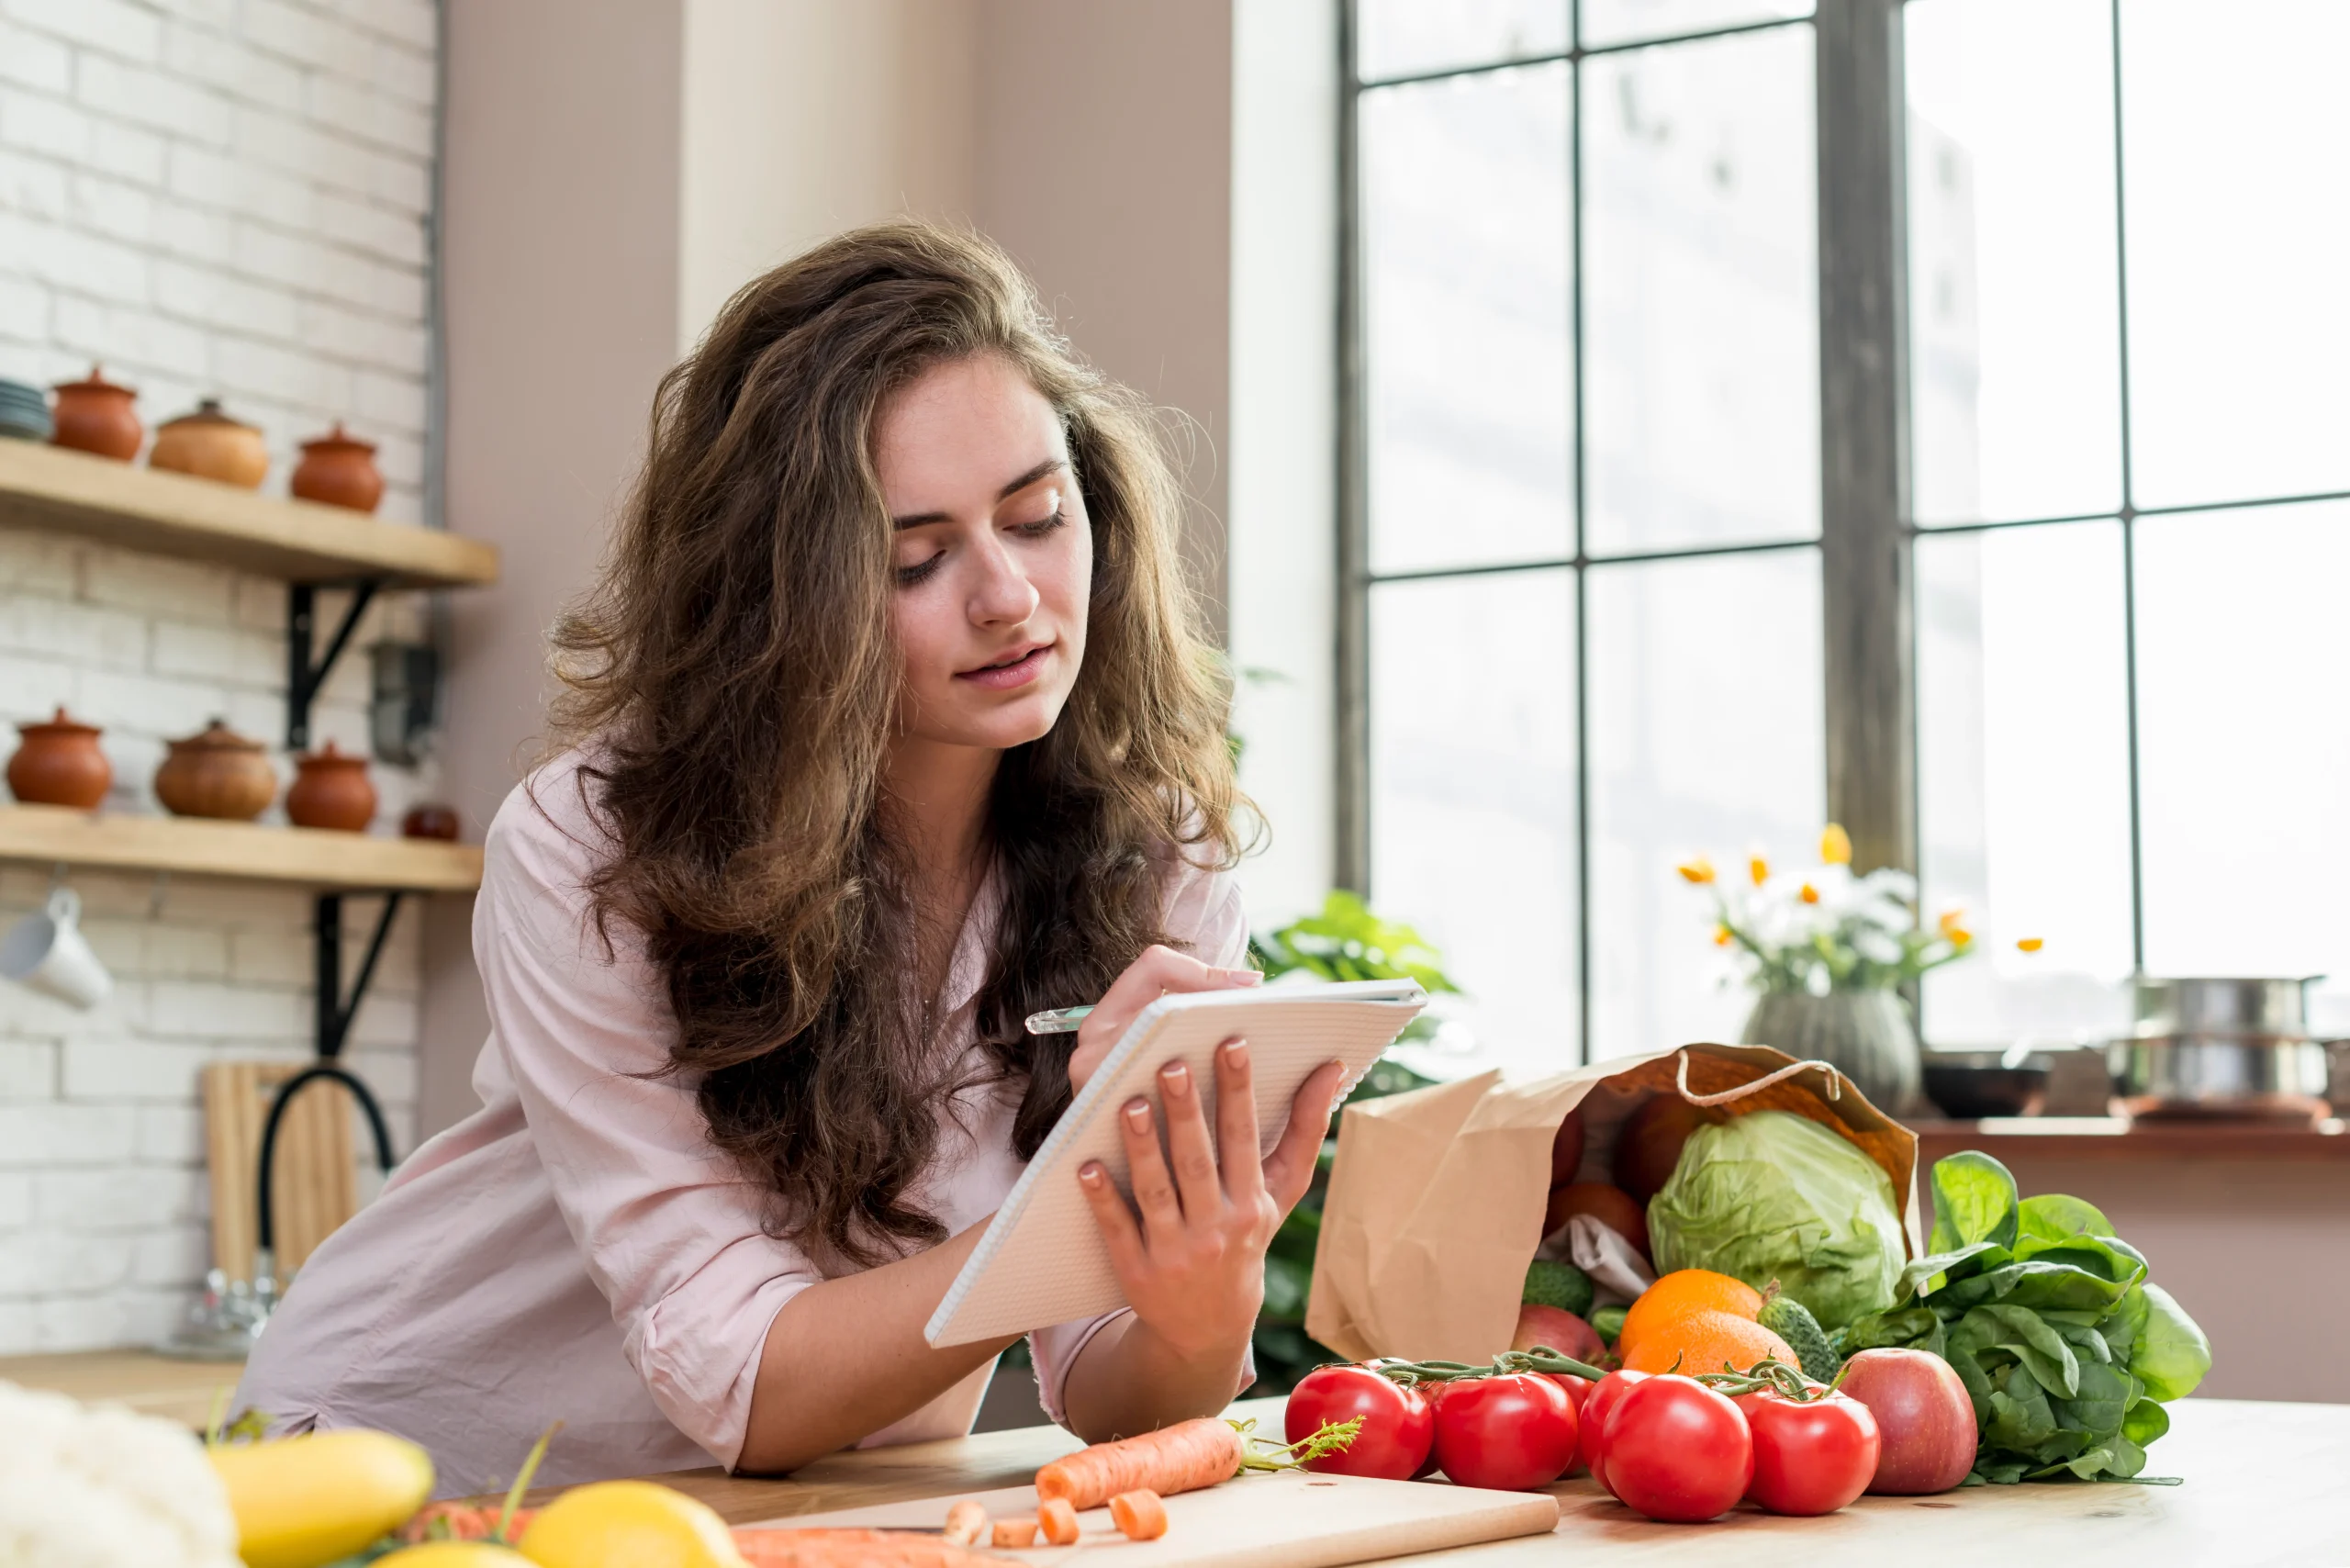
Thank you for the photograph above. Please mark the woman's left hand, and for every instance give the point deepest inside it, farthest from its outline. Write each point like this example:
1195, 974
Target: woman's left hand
1190, 1251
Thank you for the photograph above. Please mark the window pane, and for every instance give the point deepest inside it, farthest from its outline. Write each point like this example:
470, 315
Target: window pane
2238, 150
1705, 734
1473, 809
2014, 298
1465, 216
2243, 748
1703, 380
2023, 778
1399, 37
1628, 21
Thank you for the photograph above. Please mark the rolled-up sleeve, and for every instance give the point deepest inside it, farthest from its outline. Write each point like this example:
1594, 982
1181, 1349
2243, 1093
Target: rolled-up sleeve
1204, 918
671, 1232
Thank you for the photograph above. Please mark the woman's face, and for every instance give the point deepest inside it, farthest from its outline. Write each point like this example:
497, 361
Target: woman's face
994, 555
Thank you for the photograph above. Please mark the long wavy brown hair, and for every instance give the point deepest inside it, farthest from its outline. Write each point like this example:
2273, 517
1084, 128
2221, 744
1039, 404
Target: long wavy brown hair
733, 683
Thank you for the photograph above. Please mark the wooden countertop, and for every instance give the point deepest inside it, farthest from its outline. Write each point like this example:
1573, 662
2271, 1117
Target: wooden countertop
160, 1385
2265, 1482
2103, 1138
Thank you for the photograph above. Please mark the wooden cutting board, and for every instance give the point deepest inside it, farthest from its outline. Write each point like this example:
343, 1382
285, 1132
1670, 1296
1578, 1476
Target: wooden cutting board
1290, 1519
315, 1184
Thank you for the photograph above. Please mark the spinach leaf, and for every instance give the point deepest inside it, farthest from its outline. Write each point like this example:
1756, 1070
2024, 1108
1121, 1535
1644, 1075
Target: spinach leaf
2051, 1216
2021, 1333
2171, 1354
1974, 1200
1901, 1328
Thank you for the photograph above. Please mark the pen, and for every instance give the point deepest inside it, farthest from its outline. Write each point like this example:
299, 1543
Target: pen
1058, 1020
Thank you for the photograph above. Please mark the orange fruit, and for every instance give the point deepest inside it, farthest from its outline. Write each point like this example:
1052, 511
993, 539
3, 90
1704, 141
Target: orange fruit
1705, 1342
1677, 1295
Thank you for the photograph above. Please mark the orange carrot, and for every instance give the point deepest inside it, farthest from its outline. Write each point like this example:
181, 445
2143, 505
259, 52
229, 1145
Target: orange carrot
1013, 1533
967, 1521
1140, 1515
1181, 1458
780, 1548
460, 1521
1057, 1520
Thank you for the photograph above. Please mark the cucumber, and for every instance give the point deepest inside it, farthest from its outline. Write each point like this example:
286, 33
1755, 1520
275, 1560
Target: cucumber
1792, 1321
1562, 1285
1608, 1322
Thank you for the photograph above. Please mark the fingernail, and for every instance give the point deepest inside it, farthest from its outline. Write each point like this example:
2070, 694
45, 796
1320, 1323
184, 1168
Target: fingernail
1236, 1053
1090, 1174
1177, 1080
1245, 977
1138, 1116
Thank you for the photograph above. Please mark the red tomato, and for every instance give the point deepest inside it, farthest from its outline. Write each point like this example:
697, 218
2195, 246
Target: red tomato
1677, 1451
1398, 1425
1578, 1394
1515, 1433
1596, 1406
1810, 1457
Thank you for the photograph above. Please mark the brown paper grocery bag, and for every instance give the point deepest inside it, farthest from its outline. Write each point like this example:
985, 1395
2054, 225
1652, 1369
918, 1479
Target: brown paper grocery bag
1436, 1199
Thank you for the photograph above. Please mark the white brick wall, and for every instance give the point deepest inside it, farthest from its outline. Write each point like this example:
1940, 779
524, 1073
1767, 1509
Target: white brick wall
215, 198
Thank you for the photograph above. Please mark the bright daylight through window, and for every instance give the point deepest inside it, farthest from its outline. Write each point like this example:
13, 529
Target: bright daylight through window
1587, 316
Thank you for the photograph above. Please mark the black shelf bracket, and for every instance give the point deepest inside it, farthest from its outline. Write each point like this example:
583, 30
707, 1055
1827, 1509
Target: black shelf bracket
335, 1010
304, 677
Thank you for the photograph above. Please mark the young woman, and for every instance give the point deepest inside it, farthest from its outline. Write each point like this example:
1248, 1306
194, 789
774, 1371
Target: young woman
888, 724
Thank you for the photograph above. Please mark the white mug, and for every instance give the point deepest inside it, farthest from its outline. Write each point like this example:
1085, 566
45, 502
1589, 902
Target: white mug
47, 952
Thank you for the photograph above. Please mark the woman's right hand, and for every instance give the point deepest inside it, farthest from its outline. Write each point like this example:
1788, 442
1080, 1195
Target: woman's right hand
1158, 972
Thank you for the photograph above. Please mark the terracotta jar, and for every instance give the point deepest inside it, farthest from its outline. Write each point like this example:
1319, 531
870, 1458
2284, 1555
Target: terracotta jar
430, 822
96, 415
211, 445
331, 791
340, 470
217, 774
60, 764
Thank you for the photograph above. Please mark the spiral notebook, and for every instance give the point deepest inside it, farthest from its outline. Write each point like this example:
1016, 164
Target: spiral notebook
1042, 1260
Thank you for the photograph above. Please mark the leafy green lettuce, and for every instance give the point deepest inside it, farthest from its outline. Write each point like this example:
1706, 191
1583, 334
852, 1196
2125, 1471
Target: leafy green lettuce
1775, 1196
2067, 1350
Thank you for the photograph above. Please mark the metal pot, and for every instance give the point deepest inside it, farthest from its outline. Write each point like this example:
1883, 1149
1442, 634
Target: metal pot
2232, 1048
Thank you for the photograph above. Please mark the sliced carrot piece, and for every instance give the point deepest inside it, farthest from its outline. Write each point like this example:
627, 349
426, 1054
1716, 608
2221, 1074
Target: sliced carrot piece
1014, 1533
967, 1521
1059, 1522
1140, 1515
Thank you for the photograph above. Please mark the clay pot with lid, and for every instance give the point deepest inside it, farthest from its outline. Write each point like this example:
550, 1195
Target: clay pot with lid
339, 469
218, 774
331, 791
210, 445
96, 415
60, 764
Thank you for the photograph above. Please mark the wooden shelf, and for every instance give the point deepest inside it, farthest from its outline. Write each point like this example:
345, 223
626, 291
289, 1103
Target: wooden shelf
198, 520
2168, 1142
310, 857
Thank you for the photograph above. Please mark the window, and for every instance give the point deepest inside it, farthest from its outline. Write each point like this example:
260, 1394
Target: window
2045, 602
1589, 519
2131, 440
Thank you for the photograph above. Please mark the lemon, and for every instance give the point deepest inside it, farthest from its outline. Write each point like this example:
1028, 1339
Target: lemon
628, 1524
454, 1554
317, 1498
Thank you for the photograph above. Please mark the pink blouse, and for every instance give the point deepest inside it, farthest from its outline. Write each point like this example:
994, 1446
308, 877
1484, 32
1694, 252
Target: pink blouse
576, 1248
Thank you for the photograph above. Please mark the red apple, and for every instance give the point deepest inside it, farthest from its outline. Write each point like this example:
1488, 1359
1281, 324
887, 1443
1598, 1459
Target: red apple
1924, 1419
1612, 1206
1562, 1331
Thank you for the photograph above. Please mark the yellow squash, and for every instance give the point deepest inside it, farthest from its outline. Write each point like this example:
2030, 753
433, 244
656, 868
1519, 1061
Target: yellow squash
301, 1502
454, 1554
628, 1524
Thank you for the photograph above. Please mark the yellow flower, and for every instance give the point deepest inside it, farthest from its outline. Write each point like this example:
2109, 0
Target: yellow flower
1699, 870
1758, 869
1835, 846
1950, 920
1721, 936
2030, 943
1958, 935
1810, 894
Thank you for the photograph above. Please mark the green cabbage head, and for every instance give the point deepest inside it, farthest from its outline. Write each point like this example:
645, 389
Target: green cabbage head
1771, 1195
